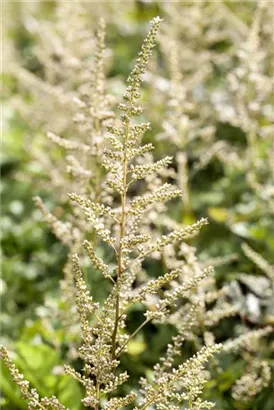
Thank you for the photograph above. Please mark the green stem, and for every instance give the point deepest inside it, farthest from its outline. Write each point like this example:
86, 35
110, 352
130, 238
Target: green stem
122, 229
132, 336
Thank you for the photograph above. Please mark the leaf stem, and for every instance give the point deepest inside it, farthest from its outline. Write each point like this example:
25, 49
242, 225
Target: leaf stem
132, 336
122, 229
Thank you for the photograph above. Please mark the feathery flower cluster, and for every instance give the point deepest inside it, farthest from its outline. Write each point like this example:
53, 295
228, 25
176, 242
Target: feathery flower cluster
181, 296
256, 377
180, 386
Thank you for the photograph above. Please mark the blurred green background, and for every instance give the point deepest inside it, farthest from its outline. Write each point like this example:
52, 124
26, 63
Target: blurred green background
33, 259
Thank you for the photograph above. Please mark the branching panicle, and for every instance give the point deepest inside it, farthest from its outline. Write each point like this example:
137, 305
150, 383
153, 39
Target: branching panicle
117, 200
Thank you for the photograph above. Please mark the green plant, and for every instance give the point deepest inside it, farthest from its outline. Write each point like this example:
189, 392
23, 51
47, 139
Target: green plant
118, 222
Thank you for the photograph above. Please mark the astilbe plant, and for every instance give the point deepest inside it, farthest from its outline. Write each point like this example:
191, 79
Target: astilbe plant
83, 173
247, 105
190, 121
197, 109
72, 84
75, 88
185, 126
118, 223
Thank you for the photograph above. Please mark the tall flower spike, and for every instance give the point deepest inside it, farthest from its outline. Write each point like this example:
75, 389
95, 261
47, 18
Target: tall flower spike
135, 77
103, 328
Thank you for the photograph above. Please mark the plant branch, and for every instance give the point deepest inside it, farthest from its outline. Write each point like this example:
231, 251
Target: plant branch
133, 335
122, 229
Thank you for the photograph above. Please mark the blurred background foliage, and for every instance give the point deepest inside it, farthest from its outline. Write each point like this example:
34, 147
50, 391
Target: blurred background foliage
33, 259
